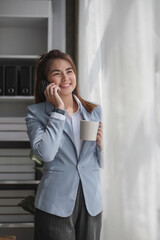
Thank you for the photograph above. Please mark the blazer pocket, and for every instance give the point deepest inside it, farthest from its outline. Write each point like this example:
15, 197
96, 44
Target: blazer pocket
55, 170
96, 169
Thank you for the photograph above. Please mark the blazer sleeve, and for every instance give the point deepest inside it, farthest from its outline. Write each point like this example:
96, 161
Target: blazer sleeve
44, 140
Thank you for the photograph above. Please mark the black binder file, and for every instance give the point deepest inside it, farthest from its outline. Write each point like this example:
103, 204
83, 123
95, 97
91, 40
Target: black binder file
10, 80
25, 80
2, 80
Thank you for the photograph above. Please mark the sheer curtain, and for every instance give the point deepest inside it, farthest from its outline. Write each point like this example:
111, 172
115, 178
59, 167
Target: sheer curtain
157, 98
118, 68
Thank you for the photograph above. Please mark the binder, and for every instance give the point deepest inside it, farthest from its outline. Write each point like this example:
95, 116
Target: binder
25, 80
2, 80
10, 80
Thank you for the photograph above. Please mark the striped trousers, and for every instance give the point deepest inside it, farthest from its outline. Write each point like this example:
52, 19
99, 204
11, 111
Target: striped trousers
79, 226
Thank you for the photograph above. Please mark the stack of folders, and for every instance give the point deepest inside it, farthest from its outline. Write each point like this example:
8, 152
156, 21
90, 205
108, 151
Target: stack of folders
10, 212
15, 165
17, 80
13, 129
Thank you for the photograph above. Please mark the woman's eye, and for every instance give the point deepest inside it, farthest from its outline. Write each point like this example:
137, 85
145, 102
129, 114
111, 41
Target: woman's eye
70, 71
56, 74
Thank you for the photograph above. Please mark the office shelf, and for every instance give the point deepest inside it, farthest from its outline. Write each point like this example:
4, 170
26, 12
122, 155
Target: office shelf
27, 30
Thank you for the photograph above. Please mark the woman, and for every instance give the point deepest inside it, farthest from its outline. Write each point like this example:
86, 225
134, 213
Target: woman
68, 203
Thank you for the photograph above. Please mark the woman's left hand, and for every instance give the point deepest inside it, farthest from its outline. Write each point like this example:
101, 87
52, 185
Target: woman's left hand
99, 136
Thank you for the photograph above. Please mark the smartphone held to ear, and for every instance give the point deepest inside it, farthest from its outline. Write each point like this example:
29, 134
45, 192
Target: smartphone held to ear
45, 83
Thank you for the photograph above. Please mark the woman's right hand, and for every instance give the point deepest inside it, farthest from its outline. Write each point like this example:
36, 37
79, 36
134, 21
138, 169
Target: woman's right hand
52, 96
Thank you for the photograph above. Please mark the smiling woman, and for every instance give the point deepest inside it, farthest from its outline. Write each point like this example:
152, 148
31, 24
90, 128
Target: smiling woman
62, 81
68, 203
43, 70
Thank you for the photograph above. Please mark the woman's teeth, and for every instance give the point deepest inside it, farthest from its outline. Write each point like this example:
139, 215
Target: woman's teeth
66, 85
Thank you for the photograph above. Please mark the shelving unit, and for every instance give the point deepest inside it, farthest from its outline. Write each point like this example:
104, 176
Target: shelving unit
17, 181
24, 35
24, 27
28, 34
27, 29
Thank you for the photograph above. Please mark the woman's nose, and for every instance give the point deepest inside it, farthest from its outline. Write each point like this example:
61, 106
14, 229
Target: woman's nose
64, 77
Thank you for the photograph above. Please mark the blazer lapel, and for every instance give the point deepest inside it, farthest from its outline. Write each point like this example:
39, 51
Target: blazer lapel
69, 132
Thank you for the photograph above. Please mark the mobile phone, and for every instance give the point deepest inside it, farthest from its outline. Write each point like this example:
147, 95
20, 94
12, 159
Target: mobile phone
45, 83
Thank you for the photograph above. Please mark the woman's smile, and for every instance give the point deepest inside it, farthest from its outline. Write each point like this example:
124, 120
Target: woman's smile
65, 85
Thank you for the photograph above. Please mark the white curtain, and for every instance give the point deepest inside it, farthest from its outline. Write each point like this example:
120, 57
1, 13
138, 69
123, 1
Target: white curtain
157, 99
119, 68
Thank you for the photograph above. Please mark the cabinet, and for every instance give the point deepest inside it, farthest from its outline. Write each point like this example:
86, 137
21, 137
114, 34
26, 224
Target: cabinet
24, 34
28, 28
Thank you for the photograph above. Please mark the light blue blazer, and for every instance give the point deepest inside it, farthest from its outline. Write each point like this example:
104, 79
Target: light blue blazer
52, 141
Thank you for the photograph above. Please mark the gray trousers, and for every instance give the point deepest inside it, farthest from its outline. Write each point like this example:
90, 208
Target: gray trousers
79, 226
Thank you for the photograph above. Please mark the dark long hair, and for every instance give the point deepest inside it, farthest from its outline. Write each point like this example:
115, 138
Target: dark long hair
41, 72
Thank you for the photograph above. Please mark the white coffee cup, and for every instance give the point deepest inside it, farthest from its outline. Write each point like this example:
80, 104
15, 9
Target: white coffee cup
88, 130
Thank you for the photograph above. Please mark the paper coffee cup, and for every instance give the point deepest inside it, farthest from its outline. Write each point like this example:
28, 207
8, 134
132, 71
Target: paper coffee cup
88, 130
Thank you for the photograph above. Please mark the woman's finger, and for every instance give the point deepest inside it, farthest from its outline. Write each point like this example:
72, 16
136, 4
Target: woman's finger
51, 89
99, 134
56, 89
99, 142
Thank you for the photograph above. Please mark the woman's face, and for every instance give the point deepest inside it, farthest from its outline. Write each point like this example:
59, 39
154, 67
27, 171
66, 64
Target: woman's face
62, 74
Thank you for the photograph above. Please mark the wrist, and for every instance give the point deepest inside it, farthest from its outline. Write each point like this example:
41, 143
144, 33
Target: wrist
59, 110
60, 107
